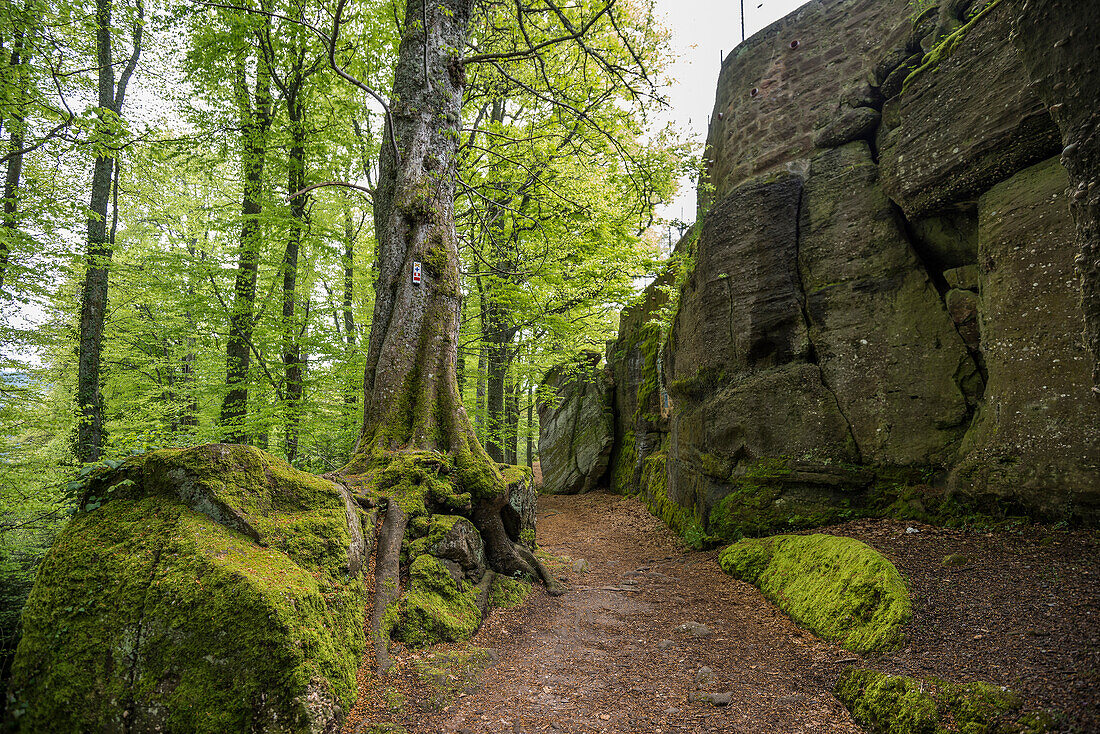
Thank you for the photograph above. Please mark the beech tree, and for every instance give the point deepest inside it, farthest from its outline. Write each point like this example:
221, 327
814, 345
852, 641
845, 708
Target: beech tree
414, 419
101, 228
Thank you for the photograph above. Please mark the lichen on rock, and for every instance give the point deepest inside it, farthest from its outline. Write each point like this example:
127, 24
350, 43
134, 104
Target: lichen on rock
841, 589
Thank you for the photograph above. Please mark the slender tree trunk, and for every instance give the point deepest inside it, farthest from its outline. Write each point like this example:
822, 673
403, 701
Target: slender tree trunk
255, 119
530, 425
511, 421
479, 412
93, 305
17, 64
293, 364
1057, 41
351, 391
499, 336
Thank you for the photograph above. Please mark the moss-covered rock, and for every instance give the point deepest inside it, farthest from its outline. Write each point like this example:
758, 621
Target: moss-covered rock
436, 607
576, 428
151, 614
894, 704
839, 588
449, 673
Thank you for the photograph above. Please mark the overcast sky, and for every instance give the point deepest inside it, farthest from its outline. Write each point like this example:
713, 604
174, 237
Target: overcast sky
703, 30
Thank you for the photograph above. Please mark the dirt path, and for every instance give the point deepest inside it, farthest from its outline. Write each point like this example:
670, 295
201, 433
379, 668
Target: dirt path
599, 660
613, 655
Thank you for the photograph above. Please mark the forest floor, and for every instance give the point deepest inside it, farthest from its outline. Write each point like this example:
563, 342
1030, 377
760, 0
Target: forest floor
624, 651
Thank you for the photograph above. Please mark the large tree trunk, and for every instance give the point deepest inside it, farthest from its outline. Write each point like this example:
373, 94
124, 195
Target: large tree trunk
411, 401
93, 303
1057, 41
255, 117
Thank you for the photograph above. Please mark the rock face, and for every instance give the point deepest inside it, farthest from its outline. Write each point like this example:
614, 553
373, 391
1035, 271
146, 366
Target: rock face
210, 589
576, 428
1037, 435
883, 315
967, 119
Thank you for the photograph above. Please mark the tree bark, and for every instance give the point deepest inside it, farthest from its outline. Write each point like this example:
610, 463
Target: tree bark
351, 391
19, 58
530, 425
511, 420
293, 364
255, 117
1057, 42
93, 304
411, 401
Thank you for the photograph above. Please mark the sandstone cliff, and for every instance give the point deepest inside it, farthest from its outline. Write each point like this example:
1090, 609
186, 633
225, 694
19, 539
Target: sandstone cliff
881, 313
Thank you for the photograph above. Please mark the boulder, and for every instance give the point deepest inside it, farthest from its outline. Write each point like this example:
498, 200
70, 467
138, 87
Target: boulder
1034, 447
576, 428
966, 120
209, 589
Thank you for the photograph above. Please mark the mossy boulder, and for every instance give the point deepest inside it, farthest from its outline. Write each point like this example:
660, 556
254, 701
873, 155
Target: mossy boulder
840, 589
436, 608
894, 704
211, 589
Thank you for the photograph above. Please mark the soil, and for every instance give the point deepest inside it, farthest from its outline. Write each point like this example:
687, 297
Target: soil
649, 631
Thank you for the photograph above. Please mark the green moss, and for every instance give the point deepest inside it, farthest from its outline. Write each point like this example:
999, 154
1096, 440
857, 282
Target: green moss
890, 704
181, 623
955, 559
437, 528
435, 260
887, 704
698, 386
622, 470
507, 592
449, 673
680, 519
976, 707
839, 588
421, 482
946, 46
513, 474
436, 608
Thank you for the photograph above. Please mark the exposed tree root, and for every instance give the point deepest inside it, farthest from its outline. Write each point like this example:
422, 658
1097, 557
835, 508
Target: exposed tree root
387, 583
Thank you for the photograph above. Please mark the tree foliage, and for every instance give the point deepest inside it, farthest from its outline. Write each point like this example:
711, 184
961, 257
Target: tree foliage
242, 169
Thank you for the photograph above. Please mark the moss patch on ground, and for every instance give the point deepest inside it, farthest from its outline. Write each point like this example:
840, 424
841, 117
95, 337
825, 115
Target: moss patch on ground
436, 608
506, 592
839, 588
892, 704
449, 673
150, 612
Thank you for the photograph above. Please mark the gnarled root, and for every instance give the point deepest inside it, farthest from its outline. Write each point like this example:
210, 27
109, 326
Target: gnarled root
504, 554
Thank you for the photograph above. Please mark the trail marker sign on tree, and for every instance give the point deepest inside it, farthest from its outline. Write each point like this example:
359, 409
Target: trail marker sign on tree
416, 273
